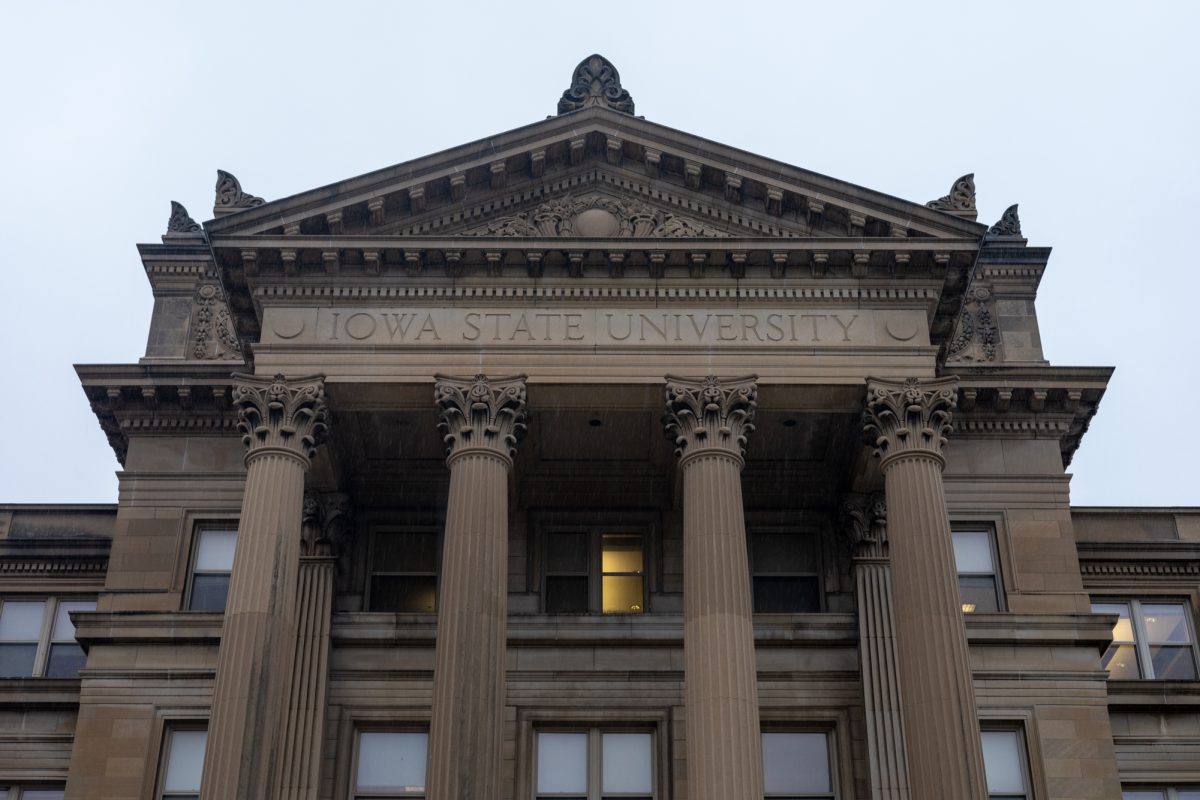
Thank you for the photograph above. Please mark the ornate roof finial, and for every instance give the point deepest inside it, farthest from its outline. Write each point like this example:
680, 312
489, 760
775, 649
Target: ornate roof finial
230, 196
180, 222
960, 201
596, 82
1009, 224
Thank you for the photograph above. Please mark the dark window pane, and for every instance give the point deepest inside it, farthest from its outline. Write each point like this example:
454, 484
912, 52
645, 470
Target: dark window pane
209, 592
1173, 663
1121, 662
978, 594
65, 661
412, 594
566, 595
566, 552
405, 551
16, 660
779, 595
784, 552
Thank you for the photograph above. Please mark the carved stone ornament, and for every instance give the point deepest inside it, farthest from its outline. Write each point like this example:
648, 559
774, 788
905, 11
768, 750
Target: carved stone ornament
212, 331
960, 201
864, 520
908, 418
596, 82
597, 216
710, 414
975, 334
325, 523
280, 414
180, 222
481, 413
1009, 224
230, 196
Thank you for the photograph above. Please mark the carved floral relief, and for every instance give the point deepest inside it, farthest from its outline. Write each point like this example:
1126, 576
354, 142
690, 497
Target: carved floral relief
212, 330
597, 216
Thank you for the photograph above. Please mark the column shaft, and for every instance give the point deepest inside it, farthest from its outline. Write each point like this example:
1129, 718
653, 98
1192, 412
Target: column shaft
724, 744
466, 731
258, 637
945, 757
304, 727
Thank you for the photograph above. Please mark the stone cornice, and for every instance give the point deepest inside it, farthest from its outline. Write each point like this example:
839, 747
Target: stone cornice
54, 557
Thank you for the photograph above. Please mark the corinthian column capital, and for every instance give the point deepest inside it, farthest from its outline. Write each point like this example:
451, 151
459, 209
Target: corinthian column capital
909, 418
281, 415
706, 414
481, 413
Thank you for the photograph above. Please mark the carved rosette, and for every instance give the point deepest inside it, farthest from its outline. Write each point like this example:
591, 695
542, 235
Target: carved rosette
710, 414
864, 521
909, 418
180, 222
960, 201
1009, 223
481, 413
596, 82
278, 415
230, 196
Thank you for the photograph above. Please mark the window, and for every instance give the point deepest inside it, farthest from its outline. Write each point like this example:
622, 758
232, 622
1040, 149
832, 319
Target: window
975, 557
211, 566
30, 793
1005, 765
785, 572
596, 764
574, 556
1161, 794
797, 765
182, 763
1153, 639
404, 571
391, 764
38, 639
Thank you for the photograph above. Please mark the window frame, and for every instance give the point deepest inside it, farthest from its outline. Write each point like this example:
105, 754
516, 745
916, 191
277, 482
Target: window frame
1168, 792
168, 729
198, 529
997, 573
620, 524
819, 554
16, 791
45, 640
1141, 638
373, 726
438, 532
831, 749
595, 764
1027, 774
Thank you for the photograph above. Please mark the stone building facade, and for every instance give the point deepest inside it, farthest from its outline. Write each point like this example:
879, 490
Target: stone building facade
595, 460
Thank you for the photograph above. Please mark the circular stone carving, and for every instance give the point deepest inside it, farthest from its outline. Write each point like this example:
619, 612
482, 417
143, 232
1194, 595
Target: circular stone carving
901, 329
596, 222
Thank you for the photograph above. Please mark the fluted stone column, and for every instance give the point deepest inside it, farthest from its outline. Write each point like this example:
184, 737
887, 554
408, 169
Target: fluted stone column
907, 424
709, 420
866, 526
304, 717
481, 421
281, 421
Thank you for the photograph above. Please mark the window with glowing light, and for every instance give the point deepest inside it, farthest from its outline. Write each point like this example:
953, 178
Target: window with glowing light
594, 570
1153, 639
978, 579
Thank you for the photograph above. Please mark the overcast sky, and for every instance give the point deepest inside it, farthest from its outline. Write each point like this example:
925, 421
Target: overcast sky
1084, 113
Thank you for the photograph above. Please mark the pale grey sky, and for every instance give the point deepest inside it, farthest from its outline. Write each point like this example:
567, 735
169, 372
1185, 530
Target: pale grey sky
1084, 113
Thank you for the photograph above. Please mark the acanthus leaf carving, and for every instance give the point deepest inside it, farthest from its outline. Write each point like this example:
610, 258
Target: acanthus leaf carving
595, 82
710, 414
1009, 223
908, 418
961, 199
213, 335
278, 414
864, 522
480, 414
325, 523
616, 219
230, 196
180, 222
976, 334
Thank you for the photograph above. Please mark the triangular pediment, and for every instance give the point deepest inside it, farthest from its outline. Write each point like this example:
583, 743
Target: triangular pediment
690, 184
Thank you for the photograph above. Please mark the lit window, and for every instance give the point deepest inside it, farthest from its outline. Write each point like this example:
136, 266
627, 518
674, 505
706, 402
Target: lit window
1161, 794
975, 557
38, 639
391, 764
1152, 639
1005, 765
182, 763
212, 565
797, 765
618, 558
404, 571
595, 765
785, 572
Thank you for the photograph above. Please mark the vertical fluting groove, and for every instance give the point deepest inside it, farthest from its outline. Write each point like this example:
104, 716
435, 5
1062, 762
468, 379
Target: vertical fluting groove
466, 730
722, 723
885, 733
258, 635
941, 723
